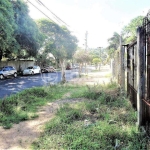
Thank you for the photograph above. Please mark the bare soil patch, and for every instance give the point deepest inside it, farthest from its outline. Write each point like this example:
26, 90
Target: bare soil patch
21, 135
100, 77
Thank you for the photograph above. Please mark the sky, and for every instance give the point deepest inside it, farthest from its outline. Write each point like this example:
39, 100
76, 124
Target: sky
100, 18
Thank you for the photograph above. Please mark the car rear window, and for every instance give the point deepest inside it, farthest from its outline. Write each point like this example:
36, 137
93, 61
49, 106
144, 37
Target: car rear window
11, 68
30, 68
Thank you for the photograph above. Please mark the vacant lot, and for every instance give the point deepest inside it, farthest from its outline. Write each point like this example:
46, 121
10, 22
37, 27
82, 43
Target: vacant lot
70, 117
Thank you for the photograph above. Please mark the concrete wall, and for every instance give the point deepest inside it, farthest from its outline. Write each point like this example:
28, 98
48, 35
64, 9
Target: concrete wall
17, 64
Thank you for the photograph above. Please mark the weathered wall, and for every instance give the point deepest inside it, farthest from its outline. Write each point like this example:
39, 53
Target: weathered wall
17, 64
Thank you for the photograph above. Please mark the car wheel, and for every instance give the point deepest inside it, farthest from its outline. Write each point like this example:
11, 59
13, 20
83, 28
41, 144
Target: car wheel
15, 75
1, 77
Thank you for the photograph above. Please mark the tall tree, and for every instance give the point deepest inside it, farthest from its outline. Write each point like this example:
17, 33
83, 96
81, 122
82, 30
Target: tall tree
82, 58
7, 26
58, 41
114, 41
27, 35
129, 30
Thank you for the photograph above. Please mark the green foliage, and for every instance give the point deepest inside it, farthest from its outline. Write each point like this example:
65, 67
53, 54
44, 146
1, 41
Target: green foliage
82, 57
106, 120
96, 60
58, 40
68, 115
23, 106
78, 92
44, 60
114, 41
27, 34
111, 52
129, 30
7, 26
18, 31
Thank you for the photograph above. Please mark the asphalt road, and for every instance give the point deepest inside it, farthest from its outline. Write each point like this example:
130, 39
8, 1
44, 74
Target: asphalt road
13, 85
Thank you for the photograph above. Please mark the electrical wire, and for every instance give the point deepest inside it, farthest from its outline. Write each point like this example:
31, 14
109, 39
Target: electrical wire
54, 16
45, 14
52, 13
41, 11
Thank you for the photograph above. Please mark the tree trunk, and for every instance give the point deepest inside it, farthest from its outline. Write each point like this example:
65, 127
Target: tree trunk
1, 54
63, 77
80, 69
99, 66
86, 70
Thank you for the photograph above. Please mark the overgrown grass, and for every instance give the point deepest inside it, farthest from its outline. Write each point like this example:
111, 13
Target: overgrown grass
24, 105
105, 121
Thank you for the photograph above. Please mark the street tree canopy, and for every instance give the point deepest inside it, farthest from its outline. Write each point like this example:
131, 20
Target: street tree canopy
27, 34
82, 56
58, 41
19, 34
7, 25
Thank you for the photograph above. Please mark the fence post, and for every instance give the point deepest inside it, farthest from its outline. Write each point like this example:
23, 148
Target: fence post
118, 67
140, 74
122, 69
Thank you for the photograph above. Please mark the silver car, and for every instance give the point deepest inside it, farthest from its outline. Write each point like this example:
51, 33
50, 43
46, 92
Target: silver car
32, 70
7, 71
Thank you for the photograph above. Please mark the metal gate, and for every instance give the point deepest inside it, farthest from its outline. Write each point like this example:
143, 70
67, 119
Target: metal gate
146, 98
132, 75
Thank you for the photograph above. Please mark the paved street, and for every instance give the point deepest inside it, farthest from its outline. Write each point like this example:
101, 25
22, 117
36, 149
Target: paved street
14, 85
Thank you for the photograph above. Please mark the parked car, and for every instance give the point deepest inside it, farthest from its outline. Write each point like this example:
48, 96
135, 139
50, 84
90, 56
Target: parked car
32, 70
7, 71
75, 66
48, 69
68, 67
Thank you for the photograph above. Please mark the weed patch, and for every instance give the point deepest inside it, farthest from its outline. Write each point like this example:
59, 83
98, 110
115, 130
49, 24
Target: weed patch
24, 105
106, 120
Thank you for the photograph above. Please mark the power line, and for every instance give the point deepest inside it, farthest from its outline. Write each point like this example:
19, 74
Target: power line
40, 11
40, 4
52, 12
44, 13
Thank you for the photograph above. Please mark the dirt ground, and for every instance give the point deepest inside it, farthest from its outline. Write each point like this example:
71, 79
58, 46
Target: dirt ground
21, 135
99, 77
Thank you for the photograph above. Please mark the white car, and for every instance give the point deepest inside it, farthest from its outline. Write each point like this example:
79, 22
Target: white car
32, 70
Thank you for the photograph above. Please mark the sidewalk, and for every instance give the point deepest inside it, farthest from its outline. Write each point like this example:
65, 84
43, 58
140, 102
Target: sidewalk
96, 77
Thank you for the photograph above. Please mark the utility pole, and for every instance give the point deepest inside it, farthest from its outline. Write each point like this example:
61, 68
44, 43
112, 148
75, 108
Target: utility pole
100, 48
86, 34
100, 52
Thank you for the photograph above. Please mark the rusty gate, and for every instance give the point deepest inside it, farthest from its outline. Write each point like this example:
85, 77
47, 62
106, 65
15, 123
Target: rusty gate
146, 44
132, 76
132, 73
